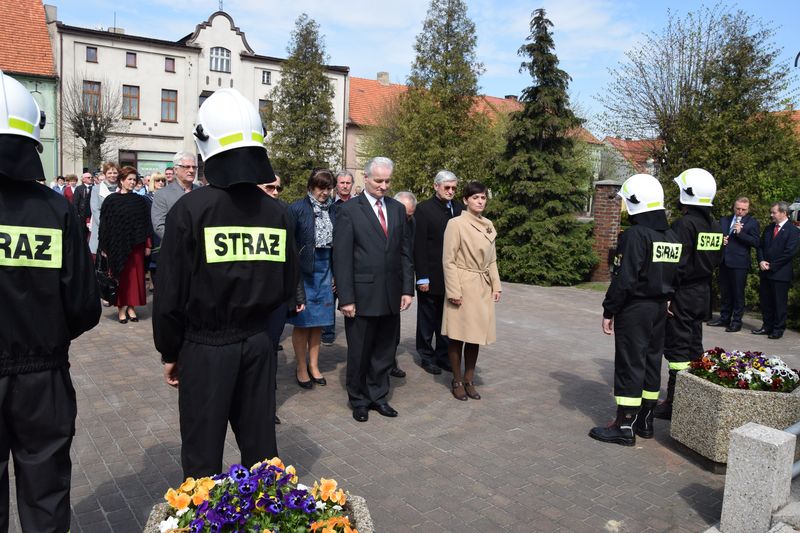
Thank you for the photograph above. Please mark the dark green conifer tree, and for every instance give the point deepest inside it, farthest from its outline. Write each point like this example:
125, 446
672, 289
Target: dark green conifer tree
541, 179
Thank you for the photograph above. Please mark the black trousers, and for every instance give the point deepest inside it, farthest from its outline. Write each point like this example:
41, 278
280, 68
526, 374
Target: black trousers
774, 304
638, 344
218, 384
684, 333
370, 355
731, 287
429, 325
37, 423
275, 324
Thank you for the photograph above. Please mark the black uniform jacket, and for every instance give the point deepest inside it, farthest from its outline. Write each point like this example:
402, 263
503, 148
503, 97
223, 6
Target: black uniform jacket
227, 260
48, 290
702, 246
644, 267
432, 217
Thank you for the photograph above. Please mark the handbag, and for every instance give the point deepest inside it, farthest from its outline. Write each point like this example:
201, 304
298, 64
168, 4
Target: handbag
105, 281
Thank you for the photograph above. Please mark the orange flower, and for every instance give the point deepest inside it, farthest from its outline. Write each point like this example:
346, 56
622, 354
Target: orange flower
205, 483
276, 461
339, 497
327, 488
199, 496
188, 485
178, 500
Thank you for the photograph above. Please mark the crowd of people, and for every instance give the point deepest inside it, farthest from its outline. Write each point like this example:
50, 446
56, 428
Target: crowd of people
231, 264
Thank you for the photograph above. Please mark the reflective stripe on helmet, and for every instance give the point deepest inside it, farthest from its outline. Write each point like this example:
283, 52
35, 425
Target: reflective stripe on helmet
230, 139
19, 124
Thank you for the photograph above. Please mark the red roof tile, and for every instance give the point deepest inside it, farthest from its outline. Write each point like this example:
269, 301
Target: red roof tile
24, 41
635, 151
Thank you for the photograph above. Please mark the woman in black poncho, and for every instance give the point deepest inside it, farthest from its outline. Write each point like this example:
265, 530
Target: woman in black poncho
125, 231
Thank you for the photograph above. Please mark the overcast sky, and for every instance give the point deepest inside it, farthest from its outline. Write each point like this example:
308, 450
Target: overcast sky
373, 35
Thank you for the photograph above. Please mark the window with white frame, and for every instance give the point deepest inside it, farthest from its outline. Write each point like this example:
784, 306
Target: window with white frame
220, 59
266, 77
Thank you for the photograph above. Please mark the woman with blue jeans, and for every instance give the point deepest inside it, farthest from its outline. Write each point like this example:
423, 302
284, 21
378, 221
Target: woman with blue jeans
313, 218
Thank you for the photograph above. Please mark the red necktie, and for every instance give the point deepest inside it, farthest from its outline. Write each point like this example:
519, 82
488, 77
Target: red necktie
775, 231
382, 218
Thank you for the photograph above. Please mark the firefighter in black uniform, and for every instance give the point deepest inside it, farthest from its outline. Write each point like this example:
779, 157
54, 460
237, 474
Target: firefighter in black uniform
635, 309
702, 252
48, 296
227, 260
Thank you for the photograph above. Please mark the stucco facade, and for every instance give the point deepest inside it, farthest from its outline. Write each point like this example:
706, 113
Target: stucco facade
172, 79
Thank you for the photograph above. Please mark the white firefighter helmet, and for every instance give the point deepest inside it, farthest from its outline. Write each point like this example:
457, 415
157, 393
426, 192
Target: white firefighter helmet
697, 186
642, 193
226, 121
19, 112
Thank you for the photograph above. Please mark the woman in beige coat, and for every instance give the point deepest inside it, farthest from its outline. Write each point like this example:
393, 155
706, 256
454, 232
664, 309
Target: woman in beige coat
472, 287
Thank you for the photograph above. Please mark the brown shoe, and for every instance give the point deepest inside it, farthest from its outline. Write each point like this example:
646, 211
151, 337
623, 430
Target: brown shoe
457, 388
471, 391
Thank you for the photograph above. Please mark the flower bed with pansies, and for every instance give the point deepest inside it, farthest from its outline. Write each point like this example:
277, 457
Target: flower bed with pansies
745, 370
265, 498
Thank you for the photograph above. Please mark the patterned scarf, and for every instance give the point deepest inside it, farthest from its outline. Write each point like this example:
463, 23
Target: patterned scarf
323, 227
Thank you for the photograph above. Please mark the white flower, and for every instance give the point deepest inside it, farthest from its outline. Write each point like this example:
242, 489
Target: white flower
337, 507
300, 486
320, 505
168, 524
183, 511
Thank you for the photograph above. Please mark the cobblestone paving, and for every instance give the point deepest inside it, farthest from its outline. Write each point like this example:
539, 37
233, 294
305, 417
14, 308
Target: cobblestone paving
517, 460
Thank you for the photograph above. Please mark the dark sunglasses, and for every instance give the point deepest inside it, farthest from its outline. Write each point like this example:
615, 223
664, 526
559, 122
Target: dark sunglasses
275, 188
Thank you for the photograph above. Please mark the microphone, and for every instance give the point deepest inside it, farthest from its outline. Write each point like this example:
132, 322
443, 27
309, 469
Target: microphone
736, 220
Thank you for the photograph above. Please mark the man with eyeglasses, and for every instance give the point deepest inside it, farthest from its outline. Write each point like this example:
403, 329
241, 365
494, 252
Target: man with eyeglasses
163, 200
431, 218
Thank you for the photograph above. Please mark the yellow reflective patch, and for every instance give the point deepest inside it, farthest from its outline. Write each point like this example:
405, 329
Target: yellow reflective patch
24, 246
679, 366
709, 241
704, 200
229, 139
19, 124
628, 402
226, 244
257, 137
651, 205
666, 252
649, 395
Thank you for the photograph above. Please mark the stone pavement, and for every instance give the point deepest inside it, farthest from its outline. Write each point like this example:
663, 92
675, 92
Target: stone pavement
517, 460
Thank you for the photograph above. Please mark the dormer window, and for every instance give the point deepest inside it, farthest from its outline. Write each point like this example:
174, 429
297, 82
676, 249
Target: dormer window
220, 59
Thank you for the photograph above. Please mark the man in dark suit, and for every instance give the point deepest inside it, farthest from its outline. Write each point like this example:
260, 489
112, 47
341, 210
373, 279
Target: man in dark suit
432, 216
779, 243
740, 232
81, 199
374, 281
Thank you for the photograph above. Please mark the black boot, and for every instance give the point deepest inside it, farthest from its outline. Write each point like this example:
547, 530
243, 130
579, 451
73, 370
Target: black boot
664, 409
620, 431
644, 421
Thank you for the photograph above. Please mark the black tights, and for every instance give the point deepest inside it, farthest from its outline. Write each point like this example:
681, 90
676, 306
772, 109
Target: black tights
454, 349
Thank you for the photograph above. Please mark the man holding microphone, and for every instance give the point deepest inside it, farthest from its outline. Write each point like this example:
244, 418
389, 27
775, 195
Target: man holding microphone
741, 233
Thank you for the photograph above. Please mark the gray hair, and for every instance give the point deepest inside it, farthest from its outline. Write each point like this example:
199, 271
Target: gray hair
408, 195
443, 176
343, 173
782, 206
180, 156
378, 162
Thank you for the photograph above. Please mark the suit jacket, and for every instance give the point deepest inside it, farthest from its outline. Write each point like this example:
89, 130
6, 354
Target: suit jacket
779, 251
737, 252
69, 192
163, 200
432, 217
371, 270
301, 216
80, 198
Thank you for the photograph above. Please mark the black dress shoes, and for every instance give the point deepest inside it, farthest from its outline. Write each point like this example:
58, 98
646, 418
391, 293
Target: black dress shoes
277, 420
717, 323
775, 335
319, 381
760, 331
305, 384
361, 414
733, 328
430, 368
384, 409
397, 372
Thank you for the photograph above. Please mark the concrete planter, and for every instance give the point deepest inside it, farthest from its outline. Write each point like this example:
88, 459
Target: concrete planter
704, 413
356, 508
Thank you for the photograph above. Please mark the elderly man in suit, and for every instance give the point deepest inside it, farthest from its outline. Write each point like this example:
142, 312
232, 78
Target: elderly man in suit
779, 243
740, 234
375, 281
164, 199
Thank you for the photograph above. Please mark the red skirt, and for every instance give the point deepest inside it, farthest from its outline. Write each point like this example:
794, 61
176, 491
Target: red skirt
132, 290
